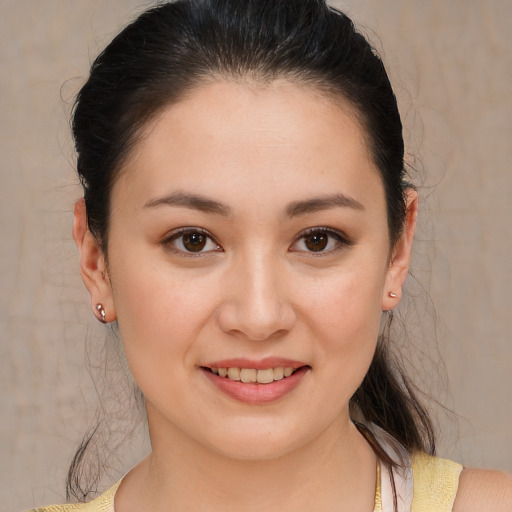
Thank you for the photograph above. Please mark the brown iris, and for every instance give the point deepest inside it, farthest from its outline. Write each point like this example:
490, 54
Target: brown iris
194, 242
316, 241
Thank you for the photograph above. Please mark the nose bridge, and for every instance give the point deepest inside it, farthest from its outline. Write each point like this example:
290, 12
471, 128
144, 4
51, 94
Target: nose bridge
259, 306
263, 297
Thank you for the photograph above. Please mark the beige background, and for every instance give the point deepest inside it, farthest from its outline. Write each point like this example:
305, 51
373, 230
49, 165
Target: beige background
450, 63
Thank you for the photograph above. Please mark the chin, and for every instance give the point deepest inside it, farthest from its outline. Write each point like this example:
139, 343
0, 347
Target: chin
258, 444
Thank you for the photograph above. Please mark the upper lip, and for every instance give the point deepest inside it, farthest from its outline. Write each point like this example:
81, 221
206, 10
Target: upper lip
260, 364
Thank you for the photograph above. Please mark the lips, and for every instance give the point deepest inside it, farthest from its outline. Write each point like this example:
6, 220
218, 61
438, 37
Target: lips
256, 382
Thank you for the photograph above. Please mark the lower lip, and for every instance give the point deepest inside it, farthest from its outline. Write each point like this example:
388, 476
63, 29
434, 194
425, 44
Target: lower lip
255, 393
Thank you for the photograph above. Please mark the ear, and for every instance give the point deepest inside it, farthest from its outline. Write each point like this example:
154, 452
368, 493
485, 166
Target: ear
92, 264
401, 255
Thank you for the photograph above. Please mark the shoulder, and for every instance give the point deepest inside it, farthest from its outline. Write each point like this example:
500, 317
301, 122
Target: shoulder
483, 490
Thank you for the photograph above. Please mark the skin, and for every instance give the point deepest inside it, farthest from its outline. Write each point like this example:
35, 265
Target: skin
485, 490
256, 291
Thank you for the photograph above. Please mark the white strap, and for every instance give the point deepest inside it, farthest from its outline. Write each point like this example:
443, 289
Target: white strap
402, 474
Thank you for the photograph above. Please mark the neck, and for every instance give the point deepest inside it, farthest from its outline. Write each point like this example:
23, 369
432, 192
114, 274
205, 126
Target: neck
334, 472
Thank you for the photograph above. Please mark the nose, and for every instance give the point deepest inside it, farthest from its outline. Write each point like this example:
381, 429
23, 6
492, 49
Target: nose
257, 304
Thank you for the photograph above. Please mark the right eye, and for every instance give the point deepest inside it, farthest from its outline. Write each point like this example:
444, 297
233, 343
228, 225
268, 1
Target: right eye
192, 241
321, 241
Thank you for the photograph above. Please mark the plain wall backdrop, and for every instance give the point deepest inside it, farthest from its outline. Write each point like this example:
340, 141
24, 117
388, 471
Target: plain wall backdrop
451, 67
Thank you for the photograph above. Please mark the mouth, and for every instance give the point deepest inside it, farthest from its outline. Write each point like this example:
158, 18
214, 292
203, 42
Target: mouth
253, 375
256, 382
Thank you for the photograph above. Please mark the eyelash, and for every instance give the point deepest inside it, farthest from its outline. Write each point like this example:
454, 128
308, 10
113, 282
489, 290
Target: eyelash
180, 233
341, 241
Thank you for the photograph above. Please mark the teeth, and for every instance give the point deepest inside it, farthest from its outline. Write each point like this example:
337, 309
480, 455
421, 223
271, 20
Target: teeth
247, 375
265, 376
250, 375
234, 373
278, 373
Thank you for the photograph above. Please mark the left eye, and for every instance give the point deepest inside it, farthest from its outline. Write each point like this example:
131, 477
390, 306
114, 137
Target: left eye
319, 241
193, 241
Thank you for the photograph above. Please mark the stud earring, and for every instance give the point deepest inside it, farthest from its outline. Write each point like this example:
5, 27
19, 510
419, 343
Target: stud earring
393, 295
101, 312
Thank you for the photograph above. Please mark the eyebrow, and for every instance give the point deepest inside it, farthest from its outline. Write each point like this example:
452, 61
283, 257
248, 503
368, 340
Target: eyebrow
296, 208
192, 201
322, 203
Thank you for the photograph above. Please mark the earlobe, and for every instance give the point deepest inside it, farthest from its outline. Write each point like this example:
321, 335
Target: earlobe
92, 265
401, 256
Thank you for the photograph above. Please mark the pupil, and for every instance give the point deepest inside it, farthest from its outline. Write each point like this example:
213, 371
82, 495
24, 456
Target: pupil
317, 242
194, 242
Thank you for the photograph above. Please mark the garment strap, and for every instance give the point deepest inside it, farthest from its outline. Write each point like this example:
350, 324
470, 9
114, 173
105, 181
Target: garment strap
435, 483
378, 496
103, 503
397, 480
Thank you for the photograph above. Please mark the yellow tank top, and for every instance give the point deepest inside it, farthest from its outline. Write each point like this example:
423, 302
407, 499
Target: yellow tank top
435, 486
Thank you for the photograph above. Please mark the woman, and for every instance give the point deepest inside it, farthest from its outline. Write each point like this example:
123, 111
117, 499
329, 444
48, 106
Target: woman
247, 223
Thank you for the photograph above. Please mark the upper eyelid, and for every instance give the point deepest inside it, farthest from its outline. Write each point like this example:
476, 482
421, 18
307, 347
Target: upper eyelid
324, 229
188, 229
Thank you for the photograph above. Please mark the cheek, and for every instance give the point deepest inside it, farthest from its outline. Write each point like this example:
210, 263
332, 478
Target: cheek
347, 303
159, 313
344, 319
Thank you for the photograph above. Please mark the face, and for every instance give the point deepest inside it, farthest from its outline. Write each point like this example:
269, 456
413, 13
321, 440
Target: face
248, 231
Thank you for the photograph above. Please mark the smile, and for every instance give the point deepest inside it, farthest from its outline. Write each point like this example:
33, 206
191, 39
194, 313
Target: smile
255, 386
252, 375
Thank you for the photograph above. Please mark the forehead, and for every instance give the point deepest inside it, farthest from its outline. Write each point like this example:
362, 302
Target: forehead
225, 137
